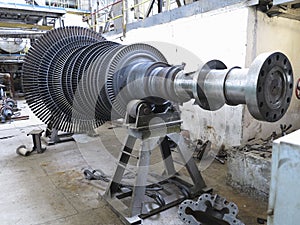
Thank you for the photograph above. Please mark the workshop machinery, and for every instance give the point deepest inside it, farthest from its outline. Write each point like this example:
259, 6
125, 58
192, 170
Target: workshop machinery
20, 25
7, 109
76, 80
6, 113
74, 77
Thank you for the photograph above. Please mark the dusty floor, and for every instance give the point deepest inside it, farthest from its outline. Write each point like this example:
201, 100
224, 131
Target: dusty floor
50, 188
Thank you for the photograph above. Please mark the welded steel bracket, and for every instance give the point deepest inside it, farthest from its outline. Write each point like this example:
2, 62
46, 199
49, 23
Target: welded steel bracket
52, 136
36, 138
143, 198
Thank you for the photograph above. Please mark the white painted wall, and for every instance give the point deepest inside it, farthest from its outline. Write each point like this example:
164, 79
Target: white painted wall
72, 19
271, 34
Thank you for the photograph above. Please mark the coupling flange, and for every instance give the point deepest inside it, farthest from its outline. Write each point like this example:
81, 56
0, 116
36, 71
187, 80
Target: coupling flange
209, 210
269, 86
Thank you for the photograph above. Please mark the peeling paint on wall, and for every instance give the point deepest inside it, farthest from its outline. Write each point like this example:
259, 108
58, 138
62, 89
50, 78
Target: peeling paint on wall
273, 34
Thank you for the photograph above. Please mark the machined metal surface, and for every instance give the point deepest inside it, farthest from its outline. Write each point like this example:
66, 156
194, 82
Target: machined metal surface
43, 78
209, 209
265, 87
297, 89
269, 86
72, 77
77, 80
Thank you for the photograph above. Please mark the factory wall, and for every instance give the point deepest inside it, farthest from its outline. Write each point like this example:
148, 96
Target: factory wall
72, 19
271, 34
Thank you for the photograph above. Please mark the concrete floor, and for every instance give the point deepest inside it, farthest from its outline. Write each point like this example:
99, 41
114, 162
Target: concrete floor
50, 188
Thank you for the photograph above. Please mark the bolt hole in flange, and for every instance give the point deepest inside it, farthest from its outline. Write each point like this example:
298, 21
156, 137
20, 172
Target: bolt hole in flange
269, 61
269, 98
297, 89
211, 216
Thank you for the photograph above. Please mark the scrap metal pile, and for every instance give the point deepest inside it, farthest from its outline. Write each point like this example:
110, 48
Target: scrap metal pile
263, 147
77, 80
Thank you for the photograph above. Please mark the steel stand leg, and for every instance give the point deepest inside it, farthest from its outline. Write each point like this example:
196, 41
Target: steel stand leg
194, 173
167, 156
52, 137
36, 138
139, 189
190, 165
131, 202
123, 160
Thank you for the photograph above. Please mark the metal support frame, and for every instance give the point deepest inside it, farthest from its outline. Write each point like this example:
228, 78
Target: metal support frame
159, 7
52, 137
36, 138
27, 16
132, 203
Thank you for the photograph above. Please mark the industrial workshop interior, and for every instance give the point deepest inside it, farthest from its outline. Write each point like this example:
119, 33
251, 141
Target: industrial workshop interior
149, 112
